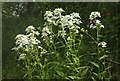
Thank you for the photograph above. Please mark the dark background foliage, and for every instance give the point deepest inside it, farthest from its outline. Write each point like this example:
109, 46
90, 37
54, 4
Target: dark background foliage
17, 16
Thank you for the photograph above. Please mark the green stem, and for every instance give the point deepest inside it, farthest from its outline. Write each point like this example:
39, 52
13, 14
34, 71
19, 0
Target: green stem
92, 38
80, 42
98, 53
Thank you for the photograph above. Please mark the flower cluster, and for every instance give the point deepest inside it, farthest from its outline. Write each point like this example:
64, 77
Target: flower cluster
94, 20
45, 31
27, 40
52, 16
94, 15
55, 18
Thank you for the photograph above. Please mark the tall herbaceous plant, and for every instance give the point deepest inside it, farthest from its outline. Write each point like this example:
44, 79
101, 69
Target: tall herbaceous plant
55, 53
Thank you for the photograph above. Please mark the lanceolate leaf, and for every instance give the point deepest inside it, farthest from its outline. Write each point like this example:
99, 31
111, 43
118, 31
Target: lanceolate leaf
60, 73
74, 77
108, 68
93, 78
95, 64
84, 72
95, 74
104, 56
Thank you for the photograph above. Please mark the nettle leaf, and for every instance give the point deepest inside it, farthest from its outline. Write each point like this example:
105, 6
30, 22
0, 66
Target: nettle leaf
95, 64
104, 56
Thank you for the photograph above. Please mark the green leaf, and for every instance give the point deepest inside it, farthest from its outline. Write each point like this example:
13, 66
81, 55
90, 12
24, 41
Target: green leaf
108, 68
70, 63
61, 46
95, 74
104, 56
60, 73
80, 69
95, 64
100, 36
93, 78
81, 56
103, 73
74, 77
84, 72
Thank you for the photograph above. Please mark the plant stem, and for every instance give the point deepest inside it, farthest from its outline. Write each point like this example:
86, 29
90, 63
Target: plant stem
98, 53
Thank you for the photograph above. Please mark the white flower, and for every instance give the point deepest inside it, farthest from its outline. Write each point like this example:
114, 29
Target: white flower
75, 15
72, 27
62, 33
81, 35
43, 51
64, 20
103, 44
37, 33
82, 29
86, 31
34, 41
77, 31
92, 26
68, 38
49, 20
58, 10
45, 29
98, 14
22, 56
30, 29
19, 36
77, 27
44, 34
97, 21
78, 22
55, 17
21, 39
94, 15
70, 23
102, 26
48, 14
67, 16
39, 47
15, 48
25, 40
